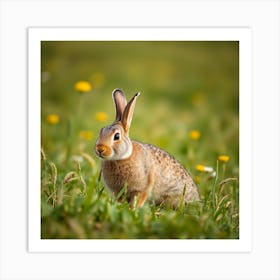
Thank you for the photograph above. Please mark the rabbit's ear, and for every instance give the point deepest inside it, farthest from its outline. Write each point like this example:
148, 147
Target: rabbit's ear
128, 112
120, 103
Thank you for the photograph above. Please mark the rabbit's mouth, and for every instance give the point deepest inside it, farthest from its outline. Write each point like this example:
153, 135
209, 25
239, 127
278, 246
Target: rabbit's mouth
103, 151
99, 155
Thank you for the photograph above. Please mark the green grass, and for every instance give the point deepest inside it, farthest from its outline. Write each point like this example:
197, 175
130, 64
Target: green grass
184, 86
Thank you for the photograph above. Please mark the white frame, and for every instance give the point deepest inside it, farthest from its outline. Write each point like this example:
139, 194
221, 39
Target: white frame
243, 35
262, 16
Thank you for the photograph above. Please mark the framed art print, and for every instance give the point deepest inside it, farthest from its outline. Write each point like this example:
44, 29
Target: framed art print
195, 104
188, 90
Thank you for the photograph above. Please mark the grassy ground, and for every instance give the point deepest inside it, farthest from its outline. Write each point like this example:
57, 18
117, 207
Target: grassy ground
188, 106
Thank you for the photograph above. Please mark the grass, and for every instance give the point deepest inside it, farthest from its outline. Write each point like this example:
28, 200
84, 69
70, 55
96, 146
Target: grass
186, 87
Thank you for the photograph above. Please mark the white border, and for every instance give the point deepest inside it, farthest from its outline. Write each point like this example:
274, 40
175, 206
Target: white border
243, 35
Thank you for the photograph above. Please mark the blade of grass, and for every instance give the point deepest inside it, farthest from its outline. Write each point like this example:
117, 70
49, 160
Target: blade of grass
214, 186
182, 200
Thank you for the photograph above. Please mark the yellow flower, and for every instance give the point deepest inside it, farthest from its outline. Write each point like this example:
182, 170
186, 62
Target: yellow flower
83, 86
223, 158
52, 119
86, 135
101, 116
203, 168
200, 167
194, 134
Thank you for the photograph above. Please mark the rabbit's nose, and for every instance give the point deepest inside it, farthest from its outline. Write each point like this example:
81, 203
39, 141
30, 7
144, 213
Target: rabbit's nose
100, 149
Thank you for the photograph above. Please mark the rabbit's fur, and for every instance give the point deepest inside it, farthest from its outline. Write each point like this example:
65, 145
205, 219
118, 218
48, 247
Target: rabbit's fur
147, 171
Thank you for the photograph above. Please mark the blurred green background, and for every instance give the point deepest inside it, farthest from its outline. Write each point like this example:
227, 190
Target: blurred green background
185, 87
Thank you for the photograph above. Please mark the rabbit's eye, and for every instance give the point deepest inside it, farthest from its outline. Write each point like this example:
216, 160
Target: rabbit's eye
117, 136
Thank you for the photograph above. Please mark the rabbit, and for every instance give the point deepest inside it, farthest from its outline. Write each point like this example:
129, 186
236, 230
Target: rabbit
148, 172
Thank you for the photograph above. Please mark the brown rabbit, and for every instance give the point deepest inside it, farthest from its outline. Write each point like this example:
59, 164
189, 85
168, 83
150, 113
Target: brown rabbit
147, 171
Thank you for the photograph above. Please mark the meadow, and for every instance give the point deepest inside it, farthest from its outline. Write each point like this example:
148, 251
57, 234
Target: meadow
189, 106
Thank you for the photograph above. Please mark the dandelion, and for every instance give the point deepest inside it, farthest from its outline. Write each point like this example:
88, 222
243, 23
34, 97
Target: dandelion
86, 135
194, 134
53, 119
200, 168
206, 169
223, 158
101, 116
203, 168
83, 86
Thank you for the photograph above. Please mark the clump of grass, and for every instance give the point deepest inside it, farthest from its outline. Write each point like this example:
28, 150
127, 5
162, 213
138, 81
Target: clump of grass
79, 206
